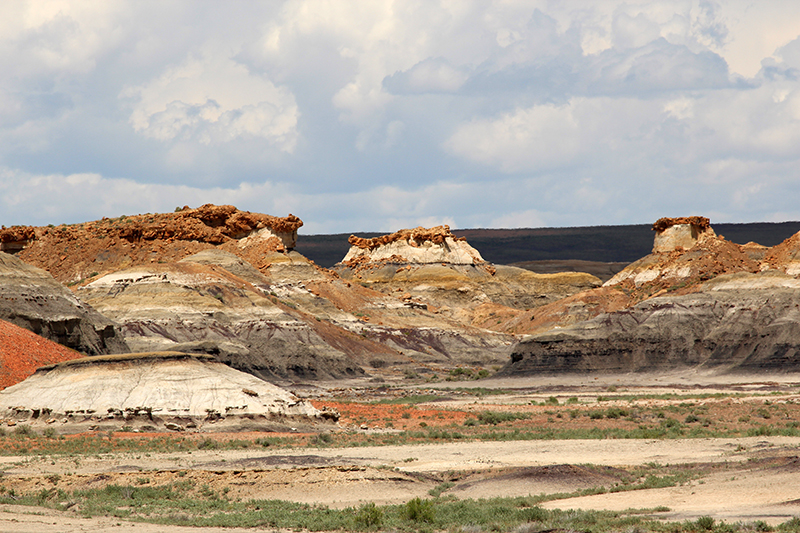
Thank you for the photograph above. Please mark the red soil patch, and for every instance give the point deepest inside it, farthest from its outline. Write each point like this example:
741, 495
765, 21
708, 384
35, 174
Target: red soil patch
22, 352
401, 416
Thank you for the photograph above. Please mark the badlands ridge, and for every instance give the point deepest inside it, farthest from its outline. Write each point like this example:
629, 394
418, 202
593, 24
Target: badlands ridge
228, 287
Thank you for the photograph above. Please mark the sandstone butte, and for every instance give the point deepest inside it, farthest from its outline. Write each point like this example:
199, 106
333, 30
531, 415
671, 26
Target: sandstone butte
412, 246
75, 252
22, 352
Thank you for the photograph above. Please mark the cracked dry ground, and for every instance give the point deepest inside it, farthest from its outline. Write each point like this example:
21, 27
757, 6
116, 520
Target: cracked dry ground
731, 449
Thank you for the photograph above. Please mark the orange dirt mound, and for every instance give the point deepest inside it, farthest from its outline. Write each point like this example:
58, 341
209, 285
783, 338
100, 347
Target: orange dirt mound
22, 352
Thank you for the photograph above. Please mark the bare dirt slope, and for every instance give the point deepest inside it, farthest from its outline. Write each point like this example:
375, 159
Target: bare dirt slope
22, 352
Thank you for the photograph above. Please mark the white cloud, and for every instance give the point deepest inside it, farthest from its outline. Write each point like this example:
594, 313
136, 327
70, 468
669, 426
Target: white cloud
44, 199
367, 115
214, 100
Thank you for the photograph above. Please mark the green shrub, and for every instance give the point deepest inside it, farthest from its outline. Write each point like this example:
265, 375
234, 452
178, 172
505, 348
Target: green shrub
496, 417
705, 523
418, 510
369, 516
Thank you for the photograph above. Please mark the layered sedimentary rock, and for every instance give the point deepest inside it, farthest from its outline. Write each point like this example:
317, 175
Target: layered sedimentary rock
32, 299
220, 281
435, 269
168, 390
741, 322
419, 245
202, 307
72, 253
697, 300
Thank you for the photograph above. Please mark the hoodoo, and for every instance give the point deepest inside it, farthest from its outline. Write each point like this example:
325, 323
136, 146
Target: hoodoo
684, 232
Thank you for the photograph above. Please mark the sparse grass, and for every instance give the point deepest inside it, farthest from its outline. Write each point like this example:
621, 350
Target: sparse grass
181, 503
410, 400
498, 417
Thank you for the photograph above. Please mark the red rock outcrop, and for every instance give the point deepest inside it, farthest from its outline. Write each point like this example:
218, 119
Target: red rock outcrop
701, 223
414, 237
72, 253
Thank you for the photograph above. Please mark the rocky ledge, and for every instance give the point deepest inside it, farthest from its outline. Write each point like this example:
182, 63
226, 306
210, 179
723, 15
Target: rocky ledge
72, 253
418, 246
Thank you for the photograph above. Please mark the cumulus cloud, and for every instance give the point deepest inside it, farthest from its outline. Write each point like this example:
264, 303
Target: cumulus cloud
433, 75
214, 100
369, 115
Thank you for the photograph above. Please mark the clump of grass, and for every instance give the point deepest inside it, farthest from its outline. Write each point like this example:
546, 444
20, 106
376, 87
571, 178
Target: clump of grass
497, 417
440, 488
369, 516
419, 510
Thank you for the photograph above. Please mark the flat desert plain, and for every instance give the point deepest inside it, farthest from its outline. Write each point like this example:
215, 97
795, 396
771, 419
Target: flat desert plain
675, 447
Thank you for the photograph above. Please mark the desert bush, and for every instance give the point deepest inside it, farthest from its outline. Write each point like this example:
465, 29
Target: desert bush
419, 510
496, 417
704, 523
369, 516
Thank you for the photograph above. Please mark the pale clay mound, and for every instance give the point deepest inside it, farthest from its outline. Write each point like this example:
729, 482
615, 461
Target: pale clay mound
162, 389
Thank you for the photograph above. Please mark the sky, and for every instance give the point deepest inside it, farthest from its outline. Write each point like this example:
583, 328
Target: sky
377, 115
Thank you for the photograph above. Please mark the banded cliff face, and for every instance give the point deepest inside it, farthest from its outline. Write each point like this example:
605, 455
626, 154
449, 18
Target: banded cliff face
201, 307
219, 281
30, 298
697, 300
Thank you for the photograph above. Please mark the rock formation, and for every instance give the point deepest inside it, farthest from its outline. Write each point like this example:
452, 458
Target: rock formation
684, 232
204, 308
73, 253
697, 300
167, 390
22, 352
433, 267
417, 246
32, 299
737, 322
